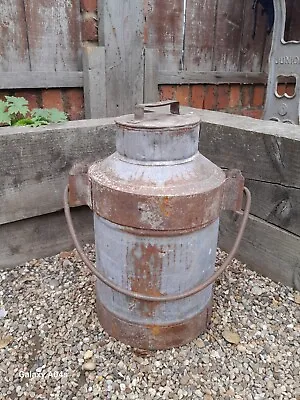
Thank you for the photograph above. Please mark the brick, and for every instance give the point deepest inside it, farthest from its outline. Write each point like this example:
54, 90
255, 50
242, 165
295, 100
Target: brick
253, 113
197, 96
258, 95
4, 93
183, 94
235, 95
31, 96
247, 92
52, 98
74, 103
89, 29
167, 92
88, 5
290, 89
281, 88
210, 100
223, 97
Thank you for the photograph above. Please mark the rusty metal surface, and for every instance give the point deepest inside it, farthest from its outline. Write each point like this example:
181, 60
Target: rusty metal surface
79, 186
158, 197
284, 61
156, 204
233, 191
154, 337
139, 112
154, 266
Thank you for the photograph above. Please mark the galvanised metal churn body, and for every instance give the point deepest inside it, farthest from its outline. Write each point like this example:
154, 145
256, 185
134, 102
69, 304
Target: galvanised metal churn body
156, 204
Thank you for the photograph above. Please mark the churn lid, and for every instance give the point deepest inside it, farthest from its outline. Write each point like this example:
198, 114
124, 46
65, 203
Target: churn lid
145, 119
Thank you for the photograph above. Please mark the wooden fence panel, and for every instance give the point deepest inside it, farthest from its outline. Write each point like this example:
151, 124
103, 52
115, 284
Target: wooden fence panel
229, 24
13, 37
293, 14
54, 34
124, 58
164, 31
199, 35
252, 50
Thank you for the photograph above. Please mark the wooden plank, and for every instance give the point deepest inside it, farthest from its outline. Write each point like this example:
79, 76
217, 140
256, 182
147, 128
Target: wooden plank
264, 150
269, 250
54, 35
35, 162
13, 43
164, 31
151, 93
293, 14
40, 79
42, 236
124, 26
229, 24
252, 49
276, 204
193, 77
199, 35
94, 82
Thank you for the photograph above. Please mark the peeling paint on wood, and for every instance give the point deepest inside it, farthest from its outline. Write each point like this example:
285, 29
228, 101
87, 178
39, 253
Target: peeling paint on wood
164, 27
13, 38
53, 35
200, 35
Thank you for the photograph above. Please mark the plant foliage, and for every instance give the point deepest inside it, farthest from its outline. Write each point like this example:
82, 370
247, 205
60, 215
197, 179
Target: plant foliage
14, 111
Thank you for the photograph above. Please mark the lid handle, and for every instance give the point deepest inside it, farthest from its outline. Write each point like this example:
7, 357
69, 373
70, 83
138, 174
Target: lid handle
140, 108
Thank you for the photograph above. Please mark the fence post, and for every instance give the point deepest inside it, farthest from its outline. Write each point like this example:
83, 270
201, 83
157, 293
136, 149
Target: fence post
121, 31
94, 82
151, 92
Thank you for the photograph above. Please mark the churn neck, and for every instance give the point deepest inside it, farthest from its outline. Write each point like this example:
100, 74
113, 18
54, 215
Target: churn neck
153, 136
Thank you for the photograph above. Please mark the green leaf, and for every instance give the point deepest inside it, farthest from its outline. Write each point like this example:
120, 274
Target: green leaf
24, 122
17, 105
36, 122
4, 115
40, 113
56, 116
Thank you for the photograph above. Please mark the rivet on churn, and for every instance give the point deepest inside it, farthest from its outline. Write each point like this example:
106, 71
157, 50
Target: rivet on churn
156, 204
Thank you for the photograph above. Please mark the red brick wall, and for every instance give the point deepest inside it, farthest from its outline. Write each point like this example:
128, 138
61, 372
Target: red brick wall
69, 100
246, 100
232, 98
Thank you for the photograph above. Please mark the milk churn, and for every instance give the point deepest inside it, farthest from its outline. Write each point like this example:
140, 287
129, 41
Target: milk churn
156, 204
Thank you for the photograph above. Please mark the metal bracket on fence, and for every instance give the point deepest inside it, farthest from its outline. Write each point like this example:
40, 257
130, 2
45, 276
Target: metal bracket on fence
284, 61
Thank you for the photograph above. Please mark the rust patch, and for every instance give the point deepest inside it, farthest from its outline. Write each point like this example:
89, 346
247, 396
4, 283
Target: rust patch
79, 186
155, 337
233, 191
145, 263
165, 206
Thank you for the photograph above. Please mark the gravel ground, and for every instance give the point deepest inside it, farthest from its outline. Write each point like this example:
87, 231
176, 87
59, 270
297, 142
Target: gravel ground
51, 336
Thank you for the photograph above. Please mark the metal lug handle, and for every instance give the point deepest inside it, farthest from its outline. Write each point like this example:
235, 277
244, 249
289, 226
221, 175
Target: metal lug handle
139, 296
140, 108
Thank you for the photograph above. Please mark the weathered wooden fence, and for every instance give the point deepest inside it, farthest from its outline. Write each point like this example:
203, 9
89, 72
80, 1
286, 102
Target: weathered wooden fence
139, 44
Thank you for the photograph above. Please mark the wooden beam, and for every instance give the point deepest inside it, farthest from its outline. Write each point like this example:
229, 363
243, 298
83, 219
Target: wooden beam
40, 79
276, 204
265, 151
265, 248
124, 57
42, 236
151, 93
94, 82
35, 162
211, 77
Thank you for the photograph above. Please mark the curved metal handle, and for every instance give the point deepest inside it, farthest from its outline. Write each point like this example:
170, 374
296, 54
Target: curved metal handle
140, 108
139, 296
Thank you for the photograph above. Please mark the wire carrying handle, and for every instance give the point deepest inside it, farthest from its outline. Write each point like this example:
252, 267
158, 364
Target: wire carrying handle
167, 298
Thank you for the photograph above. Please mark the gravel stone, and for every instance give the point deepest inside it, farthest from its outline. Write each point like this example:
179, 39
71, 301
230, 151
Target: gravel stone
58, 350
